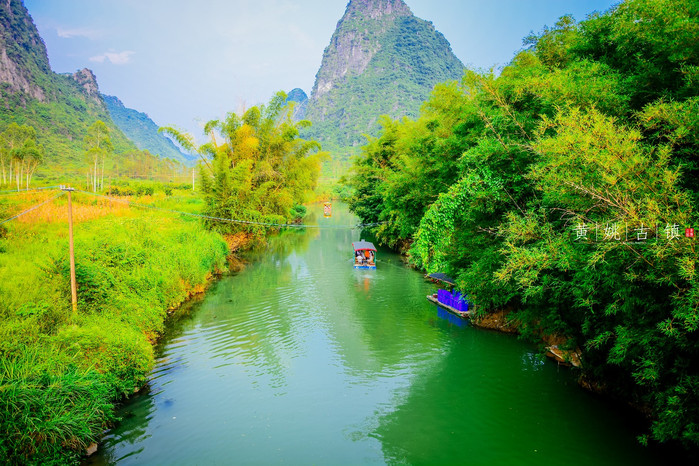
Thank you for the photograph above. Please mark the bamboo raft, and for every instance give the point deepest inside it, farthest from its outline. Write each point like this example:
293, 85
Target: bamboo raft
462, 314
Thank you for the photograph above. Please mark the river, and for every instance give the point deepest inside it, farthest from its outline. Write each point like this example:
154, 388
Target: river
301, 359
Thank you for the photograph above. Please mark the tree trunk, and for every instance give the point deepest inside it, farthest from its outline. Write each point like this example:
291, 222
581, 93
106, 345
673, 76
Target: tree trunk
19, 176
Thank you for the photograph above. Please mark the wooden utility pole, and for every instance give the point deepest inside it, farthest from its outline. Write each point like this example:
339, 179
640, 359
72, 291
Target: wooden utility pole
73, 284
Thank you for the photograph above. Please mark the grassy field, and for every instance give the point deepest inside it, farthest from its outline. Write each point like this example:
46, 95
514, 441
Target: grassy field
62, 371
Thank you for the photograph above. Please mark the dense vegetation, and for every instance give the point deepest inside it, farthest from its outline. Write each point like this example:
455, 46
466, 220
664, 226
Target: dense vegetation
255, 167
60, 108
561, 190
60, 372
60, 124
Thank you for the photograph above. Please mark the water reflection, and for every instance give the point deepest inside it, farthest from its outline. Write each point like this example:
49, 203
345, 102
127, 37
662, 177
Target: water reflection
301, 359
449, 317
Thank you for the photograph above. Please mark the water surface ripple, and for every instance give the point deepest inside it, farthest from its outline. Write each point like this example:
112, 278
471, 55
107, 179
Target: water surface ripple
300, 359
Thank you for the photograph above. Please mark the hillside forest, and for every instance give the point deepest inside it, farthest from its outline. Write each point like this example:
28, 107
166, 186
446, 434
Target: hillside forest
561, 191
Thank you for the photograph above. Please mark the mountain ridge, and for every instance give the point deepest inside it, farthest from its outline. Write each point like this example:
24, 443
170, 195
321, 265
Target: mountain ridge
381, 59
60, 106
143, 131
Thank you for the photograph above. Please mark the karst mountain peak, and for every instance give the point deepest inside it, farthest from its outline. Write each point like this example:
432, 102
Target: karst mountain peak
381, 59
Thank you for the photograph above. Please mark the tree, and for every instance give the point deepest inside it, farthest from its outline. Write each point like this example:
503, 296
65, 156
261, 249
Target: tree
255, 167
20, 153
16, 142
28, 158
594, 128
98, 146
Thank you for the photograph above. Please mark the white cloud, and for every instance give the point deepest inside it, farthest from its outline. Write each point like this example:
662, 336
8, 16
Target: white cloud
116, 58
79, 32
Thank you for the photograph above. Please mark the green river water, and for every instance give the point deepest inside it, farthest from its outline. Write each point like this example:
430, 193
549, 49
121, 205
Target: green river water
301, 359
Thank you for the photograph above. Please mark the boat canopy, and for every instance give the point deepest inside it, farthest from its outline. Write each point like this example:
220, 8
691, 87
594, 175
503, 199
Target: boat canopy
363, 245
442, 277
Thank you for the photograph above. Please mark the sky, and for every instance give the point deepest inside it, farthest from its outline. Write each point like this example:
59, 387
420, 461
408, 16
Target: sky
187, 62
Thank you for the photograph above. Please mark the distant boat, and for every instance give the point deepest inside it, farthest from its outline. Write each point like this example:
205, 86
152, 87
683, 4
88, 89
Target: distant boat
327, 210
364, 255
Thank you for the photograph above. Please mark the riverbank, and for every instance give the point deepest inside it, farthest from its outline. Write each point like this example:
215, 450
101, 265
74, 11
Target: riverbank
63, 372
252, 370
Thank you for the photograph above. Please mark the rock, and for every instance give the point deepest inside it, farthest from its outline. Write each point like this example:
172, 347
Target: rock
87, 79
91, 449
23, 56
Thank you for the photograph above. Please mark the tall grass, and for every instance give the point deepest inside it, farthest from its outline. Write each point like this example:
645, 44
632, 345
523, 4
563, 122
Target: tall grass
61, 372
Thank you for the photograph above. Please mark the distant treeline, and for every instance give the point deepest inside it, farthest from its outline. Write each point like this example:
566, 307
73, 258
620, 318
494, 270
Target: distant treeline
563, 189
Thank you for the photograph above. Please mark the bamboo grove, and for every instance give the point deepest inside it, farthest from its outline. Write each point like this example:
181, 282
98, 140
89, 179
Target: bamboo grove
255, 167
563, 190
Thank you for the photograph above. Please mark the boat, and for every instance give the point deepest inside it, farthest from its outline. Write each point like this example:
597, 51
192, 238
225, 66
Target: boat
327, 210
460, 310
364, 255
453, 302
441, 278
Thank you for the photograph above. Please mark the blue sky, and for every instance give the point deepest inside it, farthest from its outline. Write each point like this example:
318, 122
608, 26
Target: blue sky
186, 62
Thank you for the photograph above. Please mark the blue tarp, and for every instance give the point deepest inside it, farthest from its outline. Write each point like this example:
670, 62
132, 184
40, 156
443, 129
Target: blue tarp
455, 300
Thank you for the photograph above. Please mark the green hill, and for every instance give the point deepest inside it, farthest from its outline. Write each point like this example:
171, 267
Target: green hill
299, 97
59, 106
381, 60
143, 131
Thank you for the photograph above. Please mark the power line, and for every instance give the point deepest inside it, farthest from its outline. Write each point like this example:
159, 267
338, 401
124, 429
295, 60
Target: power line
32, 208
15, 191
229, 220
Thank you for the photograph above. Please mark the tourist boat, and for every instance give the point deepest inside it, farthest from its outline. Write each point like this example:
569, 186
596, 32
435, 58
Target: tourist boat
327, 210
364, 255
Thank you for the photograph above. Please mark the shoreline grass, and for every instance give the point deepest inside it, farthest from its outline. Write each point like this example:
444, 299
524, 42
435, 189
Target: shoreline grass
60, 372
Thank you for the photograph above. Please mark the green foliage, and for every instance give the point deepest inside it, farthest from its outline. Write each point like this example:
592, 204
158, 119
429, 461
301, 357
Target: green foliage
60, 373
20, 155
61, 124
58, 108
593, 126
261, 172
50, 412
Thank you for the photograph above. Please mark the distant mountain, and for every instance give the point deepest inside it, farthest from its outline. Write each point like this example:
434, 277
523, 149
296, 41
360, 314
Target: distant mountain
143, 131
381, 60
299, 96
59, 106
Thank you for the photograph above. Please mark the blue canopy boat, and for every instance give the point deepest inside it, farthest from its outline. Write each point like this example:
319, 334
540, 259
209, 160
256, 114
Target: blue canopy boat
364, 255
